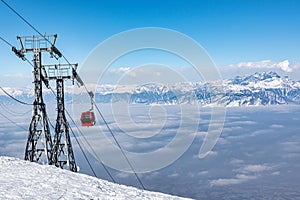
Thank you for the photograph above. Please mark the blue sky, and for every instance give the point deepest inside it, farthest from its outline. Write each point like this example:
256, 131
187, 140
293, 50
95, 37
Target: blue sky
231, 31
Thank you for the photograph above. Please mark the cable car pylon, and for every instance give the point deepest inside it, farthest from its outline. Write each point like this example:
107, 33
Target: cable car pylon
40, 147
39, 143
62, 152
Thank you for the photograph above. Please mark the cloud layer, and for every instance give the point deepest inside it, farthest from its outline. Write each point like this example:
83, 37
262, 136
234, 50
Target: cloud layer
267, 64
263, 155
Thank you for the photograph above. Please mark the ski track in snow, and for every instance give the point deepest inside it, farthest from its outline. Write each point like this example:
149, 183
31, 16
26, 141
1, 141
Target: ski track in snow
25, 180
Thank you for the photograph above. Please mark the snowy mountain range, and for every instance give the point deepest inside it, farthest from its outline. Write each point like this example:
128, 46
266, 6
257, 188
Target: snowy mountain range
265, 88
21, 179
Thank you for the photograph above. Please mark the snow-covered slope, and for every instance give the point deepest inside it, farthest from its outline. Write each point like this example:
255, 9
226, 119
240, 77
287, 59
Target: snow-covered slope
24, 180
265, 88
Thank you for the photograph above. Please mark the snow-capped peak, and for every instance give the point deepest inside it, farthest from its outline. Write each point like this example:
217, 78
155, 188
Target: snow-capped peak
254, 78
263, 88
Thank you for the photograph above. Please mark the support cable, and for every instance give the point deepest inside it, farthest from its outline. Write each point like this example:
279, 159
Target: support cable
24, 58
99, 159
116, 141
12, 112
17, 100
50, 123
13, 122
92, 149
81, 149
1, 38
9, 44
11, 8
121, 149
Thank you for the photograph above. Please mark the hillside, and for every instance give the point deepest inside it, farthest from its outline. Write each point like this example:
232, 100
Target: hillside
24, 180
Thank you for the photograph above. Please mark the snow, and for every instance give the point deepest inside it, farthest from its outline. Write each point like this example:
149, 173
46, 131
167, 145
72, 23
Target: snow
108, 89
21, 179
17, 91
265, 88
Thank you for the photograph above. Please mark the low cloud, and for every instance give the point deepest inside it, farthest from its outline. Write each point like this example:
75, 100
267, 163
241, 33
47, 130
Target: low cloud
202, 173
276, 173
267, 64
275, 126
148, 73
212, 153
121, 70
256, 168
18, 75
236, 161
174, 175
122, 175
245, 173
239, 178
291, 147
16, 80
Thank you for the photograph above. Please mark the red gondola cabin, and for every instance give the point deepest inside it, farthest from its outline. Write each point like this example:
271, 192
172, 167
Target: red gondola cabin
87, 118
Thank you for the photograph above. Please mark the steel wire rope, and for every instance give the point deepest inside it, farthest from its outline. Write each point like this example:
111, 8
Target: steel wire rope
99, 159
12, 112
17, 100
13, 122
116, 141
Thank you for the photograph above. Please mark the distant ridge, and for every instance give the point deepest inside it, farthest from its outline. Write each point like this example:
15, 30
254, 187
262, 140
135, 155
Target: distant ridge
264, 88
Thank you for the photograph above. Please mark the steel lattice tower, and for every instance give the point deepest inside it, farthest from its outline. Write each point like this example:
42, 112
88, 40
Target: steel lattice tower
62, 152
40, 147
39, 143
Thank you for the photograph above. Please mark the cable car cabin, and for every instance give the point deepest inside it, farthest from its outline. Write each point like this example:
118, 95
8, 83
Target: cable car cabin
87, 118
